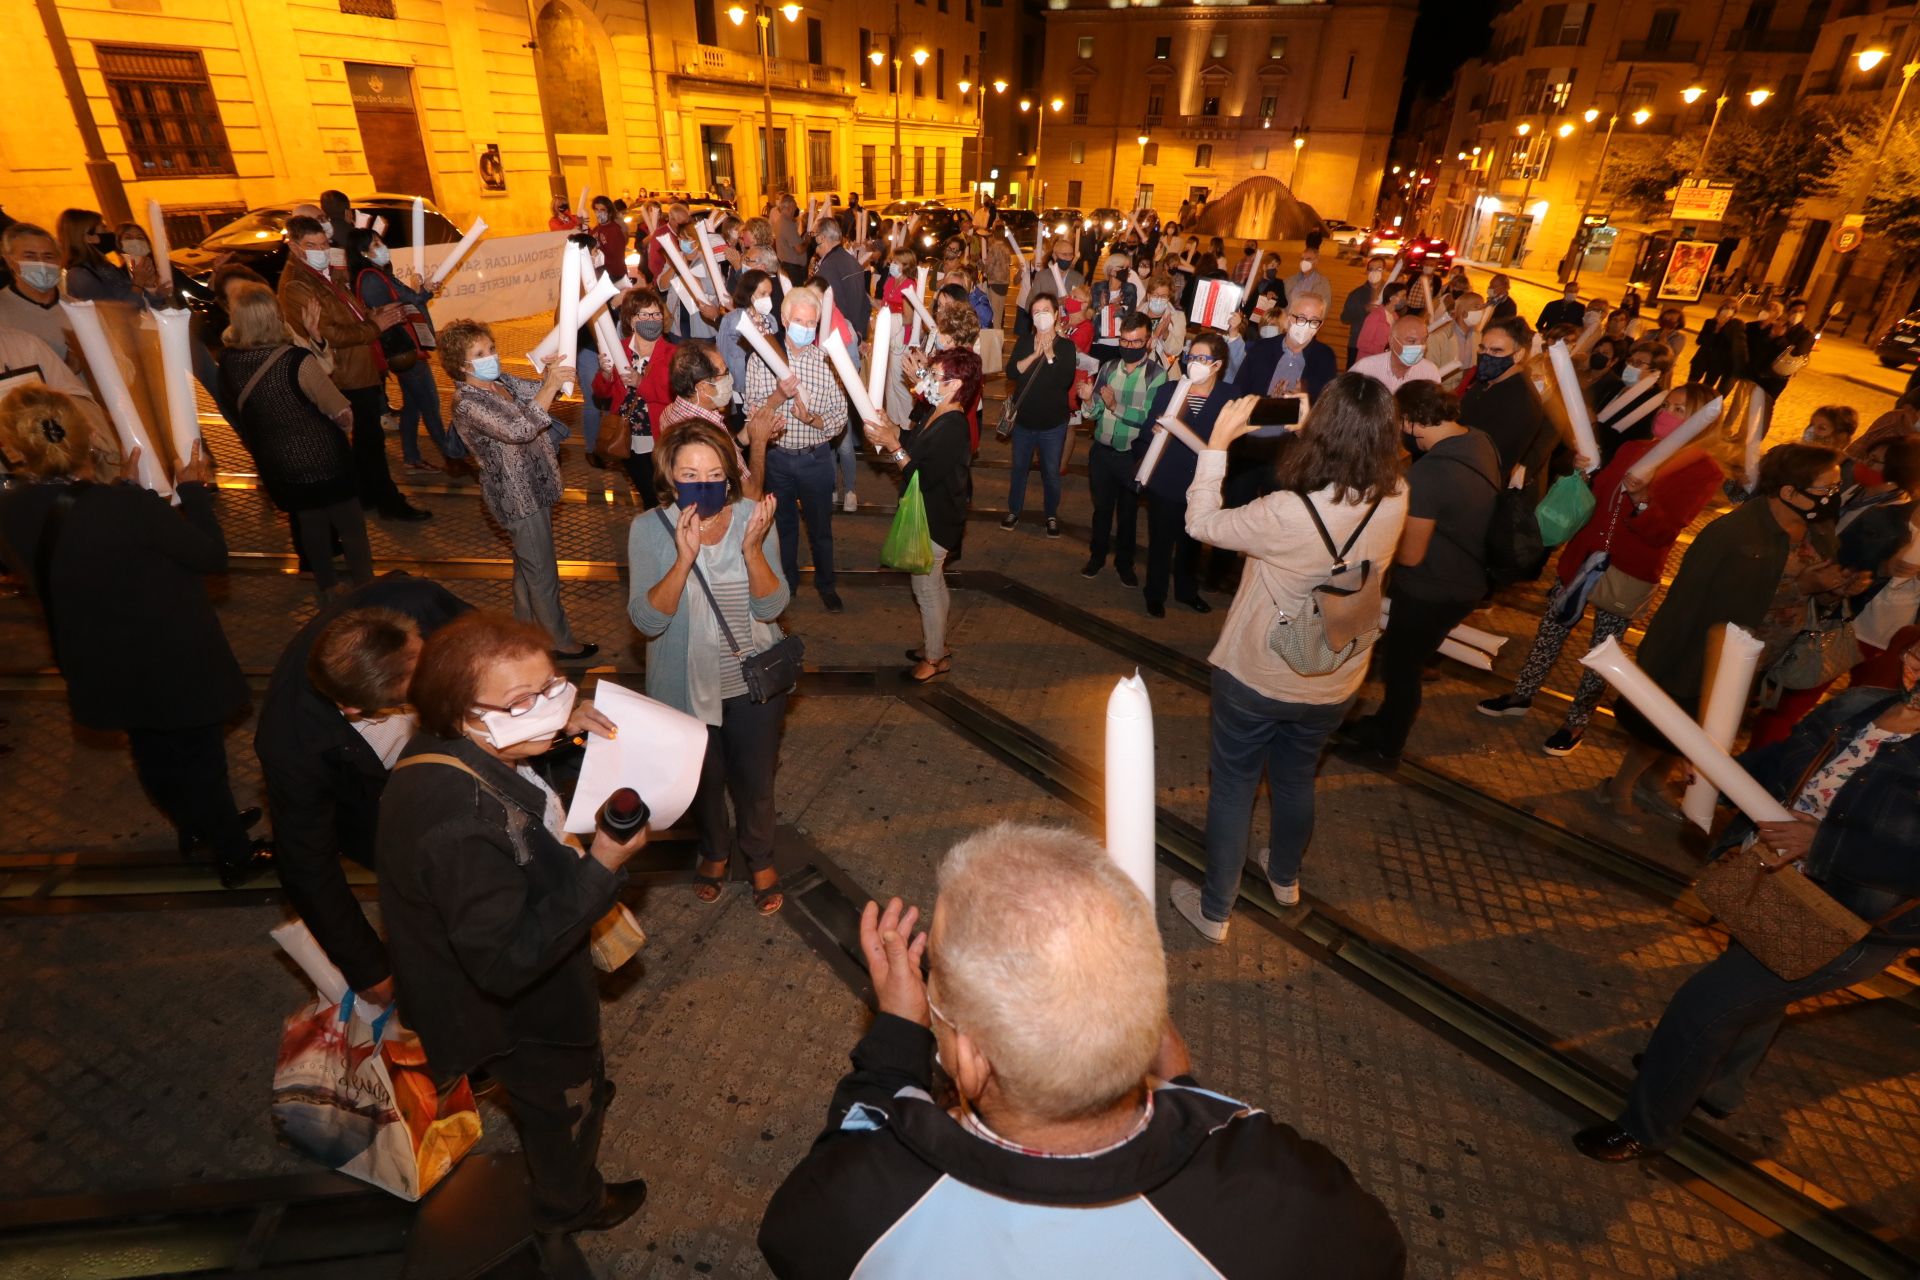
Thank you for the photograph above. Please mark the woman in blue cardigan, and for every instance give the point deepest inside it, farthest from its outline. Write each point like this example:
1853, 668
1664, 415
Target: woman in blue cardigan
705, 525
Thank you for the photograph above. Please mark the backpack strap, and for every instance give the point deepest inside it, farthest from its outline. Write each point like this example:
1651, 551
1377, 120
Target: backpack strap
1326, 539
451, 762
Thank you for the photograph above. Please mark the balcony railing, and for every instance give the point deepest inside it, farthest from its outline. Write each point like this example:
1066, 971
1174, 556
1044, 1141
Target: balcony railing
1741, 39
1659, 51
823, 182
709, 62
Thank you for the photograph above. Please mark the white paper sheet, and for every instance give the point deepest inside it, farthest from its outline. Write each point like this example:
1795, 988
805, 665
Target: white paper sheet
658, 753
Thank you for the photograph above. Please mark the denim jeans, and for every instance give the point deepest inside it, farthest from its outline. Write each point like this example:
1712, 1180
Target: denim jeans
804, 476
1116, 504
420, 403
1717, 1028
846, 456
1251, 732
586, 364
1051, 442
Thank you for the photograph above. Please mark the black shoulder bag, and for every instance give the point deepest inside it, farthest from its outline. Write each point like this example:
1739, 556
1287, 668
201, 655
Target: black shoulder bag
1008, 418
769, 674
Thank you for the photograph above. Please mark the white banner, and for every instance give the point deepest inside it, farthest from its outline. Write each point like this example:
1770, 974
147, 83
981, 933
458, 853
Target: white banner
502, 278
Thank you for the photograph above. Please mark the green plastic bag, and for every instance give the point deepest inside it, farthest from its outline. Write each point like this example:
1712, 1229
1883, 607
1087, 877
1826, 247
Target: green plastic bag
1565, 510
908, 545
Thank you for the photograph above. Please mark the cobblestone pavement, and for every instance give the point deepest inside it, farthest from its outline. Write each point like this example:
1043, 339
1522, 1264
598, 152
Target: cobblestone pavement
141, 1043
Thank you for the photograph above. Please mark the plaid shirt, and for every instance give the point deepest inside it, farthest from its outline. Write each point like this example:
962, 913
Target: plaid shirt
819, 387
1133, 389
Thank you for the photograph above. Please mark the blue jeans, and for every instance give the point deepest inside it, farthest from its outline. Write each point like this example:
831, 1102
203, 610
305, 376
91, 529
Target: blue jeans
1252, 732
1051, 442
846, 454
586, 363
420, 402
804, 476
1718, 1027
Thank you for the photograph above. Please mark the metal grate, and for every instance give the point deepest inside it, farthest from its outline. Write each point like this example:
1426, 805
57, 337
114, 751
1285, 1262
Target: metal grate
368, 8
166, 109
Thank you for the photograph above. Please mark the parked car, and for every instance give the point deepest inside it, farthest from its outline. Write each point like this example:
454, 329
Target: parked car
1022, 223
1111, 221
1424, 249
1384, 242
1061, 221
256, 239
1901, 346
700, 206
933, 225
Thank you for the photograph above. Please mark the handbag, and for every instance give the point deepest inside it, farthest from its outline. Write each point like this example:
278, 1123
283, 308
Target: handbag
771, 673
1342, 618
1792, 925
1820, 653
1620, 593
1788, 363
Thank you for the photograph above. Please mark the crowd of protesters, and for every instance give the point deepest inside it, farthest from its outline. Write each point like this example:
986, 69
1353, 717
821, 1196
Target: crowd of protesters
1368, 507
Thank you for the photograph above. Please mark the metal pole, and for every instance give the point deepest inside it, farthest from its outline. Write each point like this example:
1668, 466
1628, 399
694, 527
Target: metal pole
107, 188
763, 18
1859, 198
1523, 230
1039, 129
1719, 105
1599, 176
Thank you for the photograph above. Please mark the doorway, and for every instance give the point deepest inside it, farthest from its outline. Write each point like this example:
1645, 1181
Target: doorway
717, 152
389, 123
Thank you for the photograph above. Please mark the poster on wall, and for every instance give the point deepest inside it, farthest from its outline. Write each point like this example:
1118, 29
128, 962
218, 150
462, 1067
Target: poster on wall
493, 171
1687, 269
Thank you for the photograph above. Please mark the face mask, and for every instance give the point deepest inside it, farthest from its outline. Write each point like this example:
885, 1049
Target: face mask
1375, 277
600, 216
1158, 306
1043, 321
1133, 355
40, 275
1300, 333
1200, 368
801, 335
927, 386
379, 255
103, 240
1412, 443
1665, 423
1630, 375
326, 225
136, 249
485, 368
707, 497
1823, 509
548, 717
723, 389
1062, 263
315, 258
1599, 360
1595, 317
764, 304
1269, 330
1411, 353
649, 329
1490, 366
1306, 268
686, 247
893, 269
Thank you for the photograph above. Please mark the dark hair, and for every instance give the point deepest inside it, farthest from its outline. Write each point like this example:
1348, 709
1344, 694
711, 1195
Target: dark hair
228, 272
963, 366
446, 681
597, 201
694, 362
1844, 417
358, 242
339, 210
691, 431
746, 284
1513, 326
1793, 466
75, 230
1902, 464
360, 658
1426, 404
1135, 322
1350, 441
1658, 353
300, 226
1215, 343
953, 293
1314, 239
1392, 291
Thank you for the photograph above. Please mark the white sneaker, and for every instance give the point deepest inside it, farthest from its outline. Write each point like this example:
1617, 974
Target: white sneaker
1186, 900
849, 504
1288, 894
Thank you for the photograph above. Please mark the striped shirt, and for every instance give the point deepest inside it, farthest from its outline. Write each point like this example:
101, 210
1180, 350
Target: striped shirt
818, 387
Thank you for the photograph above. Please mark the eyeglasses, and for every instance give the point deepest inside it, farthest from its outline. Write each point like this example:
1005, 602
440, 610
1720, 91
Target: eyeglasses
528, 701
1309, 321
1821, 490
1133, 344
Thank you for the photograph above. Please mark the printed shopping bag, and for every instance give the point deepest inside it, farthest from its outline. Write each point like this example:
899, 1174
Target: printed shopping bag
908, 545
358, 1099
1214, 302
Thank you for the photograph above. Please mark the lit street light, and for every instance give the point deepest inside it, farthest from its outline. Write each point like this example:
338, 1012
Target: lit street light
980, 125
1578, 250
1867, 60
1039, 126
763, 21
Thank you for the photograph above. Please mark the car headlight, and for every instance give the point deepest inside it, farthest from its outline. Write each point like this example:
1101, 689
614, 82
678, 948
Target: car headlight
1107, 225
927, 241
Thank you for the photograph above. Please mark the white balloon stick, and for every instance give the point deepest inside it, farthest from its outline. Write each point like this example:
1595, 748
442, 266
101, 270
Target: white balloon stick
176, 361
162, 251
877, 360
569, 309
452, 260
419, 228
1576, 405
1676, 440
104, 364
835, 348
750, 330
1130, 793
1727, 690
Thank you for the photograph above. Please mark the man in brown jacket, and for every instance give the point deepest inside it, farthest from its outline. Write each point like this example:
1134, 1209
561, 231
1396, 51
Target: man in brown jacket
352, 333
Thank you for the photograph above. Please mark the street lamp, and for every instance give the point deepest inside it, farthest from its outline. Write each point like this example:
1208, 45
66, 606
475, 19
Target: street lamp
879, 58
1868, 59
1692, 94
1299, 144
1590, 114
1756, 98
763, 34
1039, 127
1566, 130
1759, 96
980, 125
1578, 249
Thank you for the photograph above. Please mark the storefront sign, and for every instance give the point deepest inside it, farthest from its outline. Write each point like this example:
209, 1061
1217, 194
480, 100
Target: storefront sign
377, 88
1696, 200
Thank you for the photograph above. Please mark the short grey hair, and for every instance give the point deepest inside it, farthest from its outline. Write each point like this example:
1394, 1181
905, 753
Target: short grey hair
804, 296
1048, 957
828, 232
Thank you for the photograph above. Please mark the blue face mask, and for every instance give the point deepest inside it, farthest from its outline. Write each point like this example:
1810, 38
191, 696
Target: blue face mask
707, 497
800, 335
1629, 375
1411, 353
1490, 367
485, 368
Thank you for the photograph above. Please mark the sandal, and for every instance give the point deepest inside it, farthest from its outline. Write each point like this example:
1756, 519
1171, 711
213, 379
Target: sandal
933, 671
768, 899
709, 888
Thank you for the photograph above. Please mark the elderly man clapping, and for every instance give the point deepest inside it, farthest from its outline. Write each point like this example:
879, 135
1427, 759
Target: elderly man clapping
1079, 1145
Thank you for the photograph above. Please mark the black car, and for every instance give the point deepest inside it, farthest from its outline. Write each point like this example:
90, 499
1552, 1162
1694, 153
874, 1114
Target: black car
1901, 346
1021, 222
932, 226
255, 239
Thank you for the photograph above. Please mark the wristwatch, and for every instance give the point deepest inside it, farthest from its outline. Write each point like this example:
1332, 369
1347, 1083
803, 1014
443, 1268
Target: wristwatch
900, 457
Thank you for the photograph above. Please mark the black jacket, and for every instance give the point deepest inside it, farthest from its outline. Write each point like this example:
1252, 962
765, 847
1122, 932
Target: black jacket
1509, 411
132, 628
1561, 311
324, 781
487, 915
1044, 407
1262, 357
942, 456
896, 1184
843, 272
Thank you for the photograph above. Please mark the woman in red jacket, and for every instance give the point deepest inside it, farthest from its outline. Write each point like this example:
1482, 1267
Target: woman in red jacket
1636, 524
627, 431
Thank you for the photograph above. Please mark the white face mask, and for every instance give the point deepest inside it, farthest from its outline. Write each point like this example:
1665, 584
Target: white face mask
1629, 375
1158, 305
379, 255
1473, 318
1269, 330
135, 249
1043, 321
1306, 267
723, 390
315, 258
547, 718
1300, 333
326, 225
763, 304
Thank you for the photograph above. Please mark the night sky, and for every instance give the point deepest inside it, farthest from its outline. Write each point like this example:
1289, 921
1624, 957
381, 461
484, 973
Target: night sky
1446, 34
